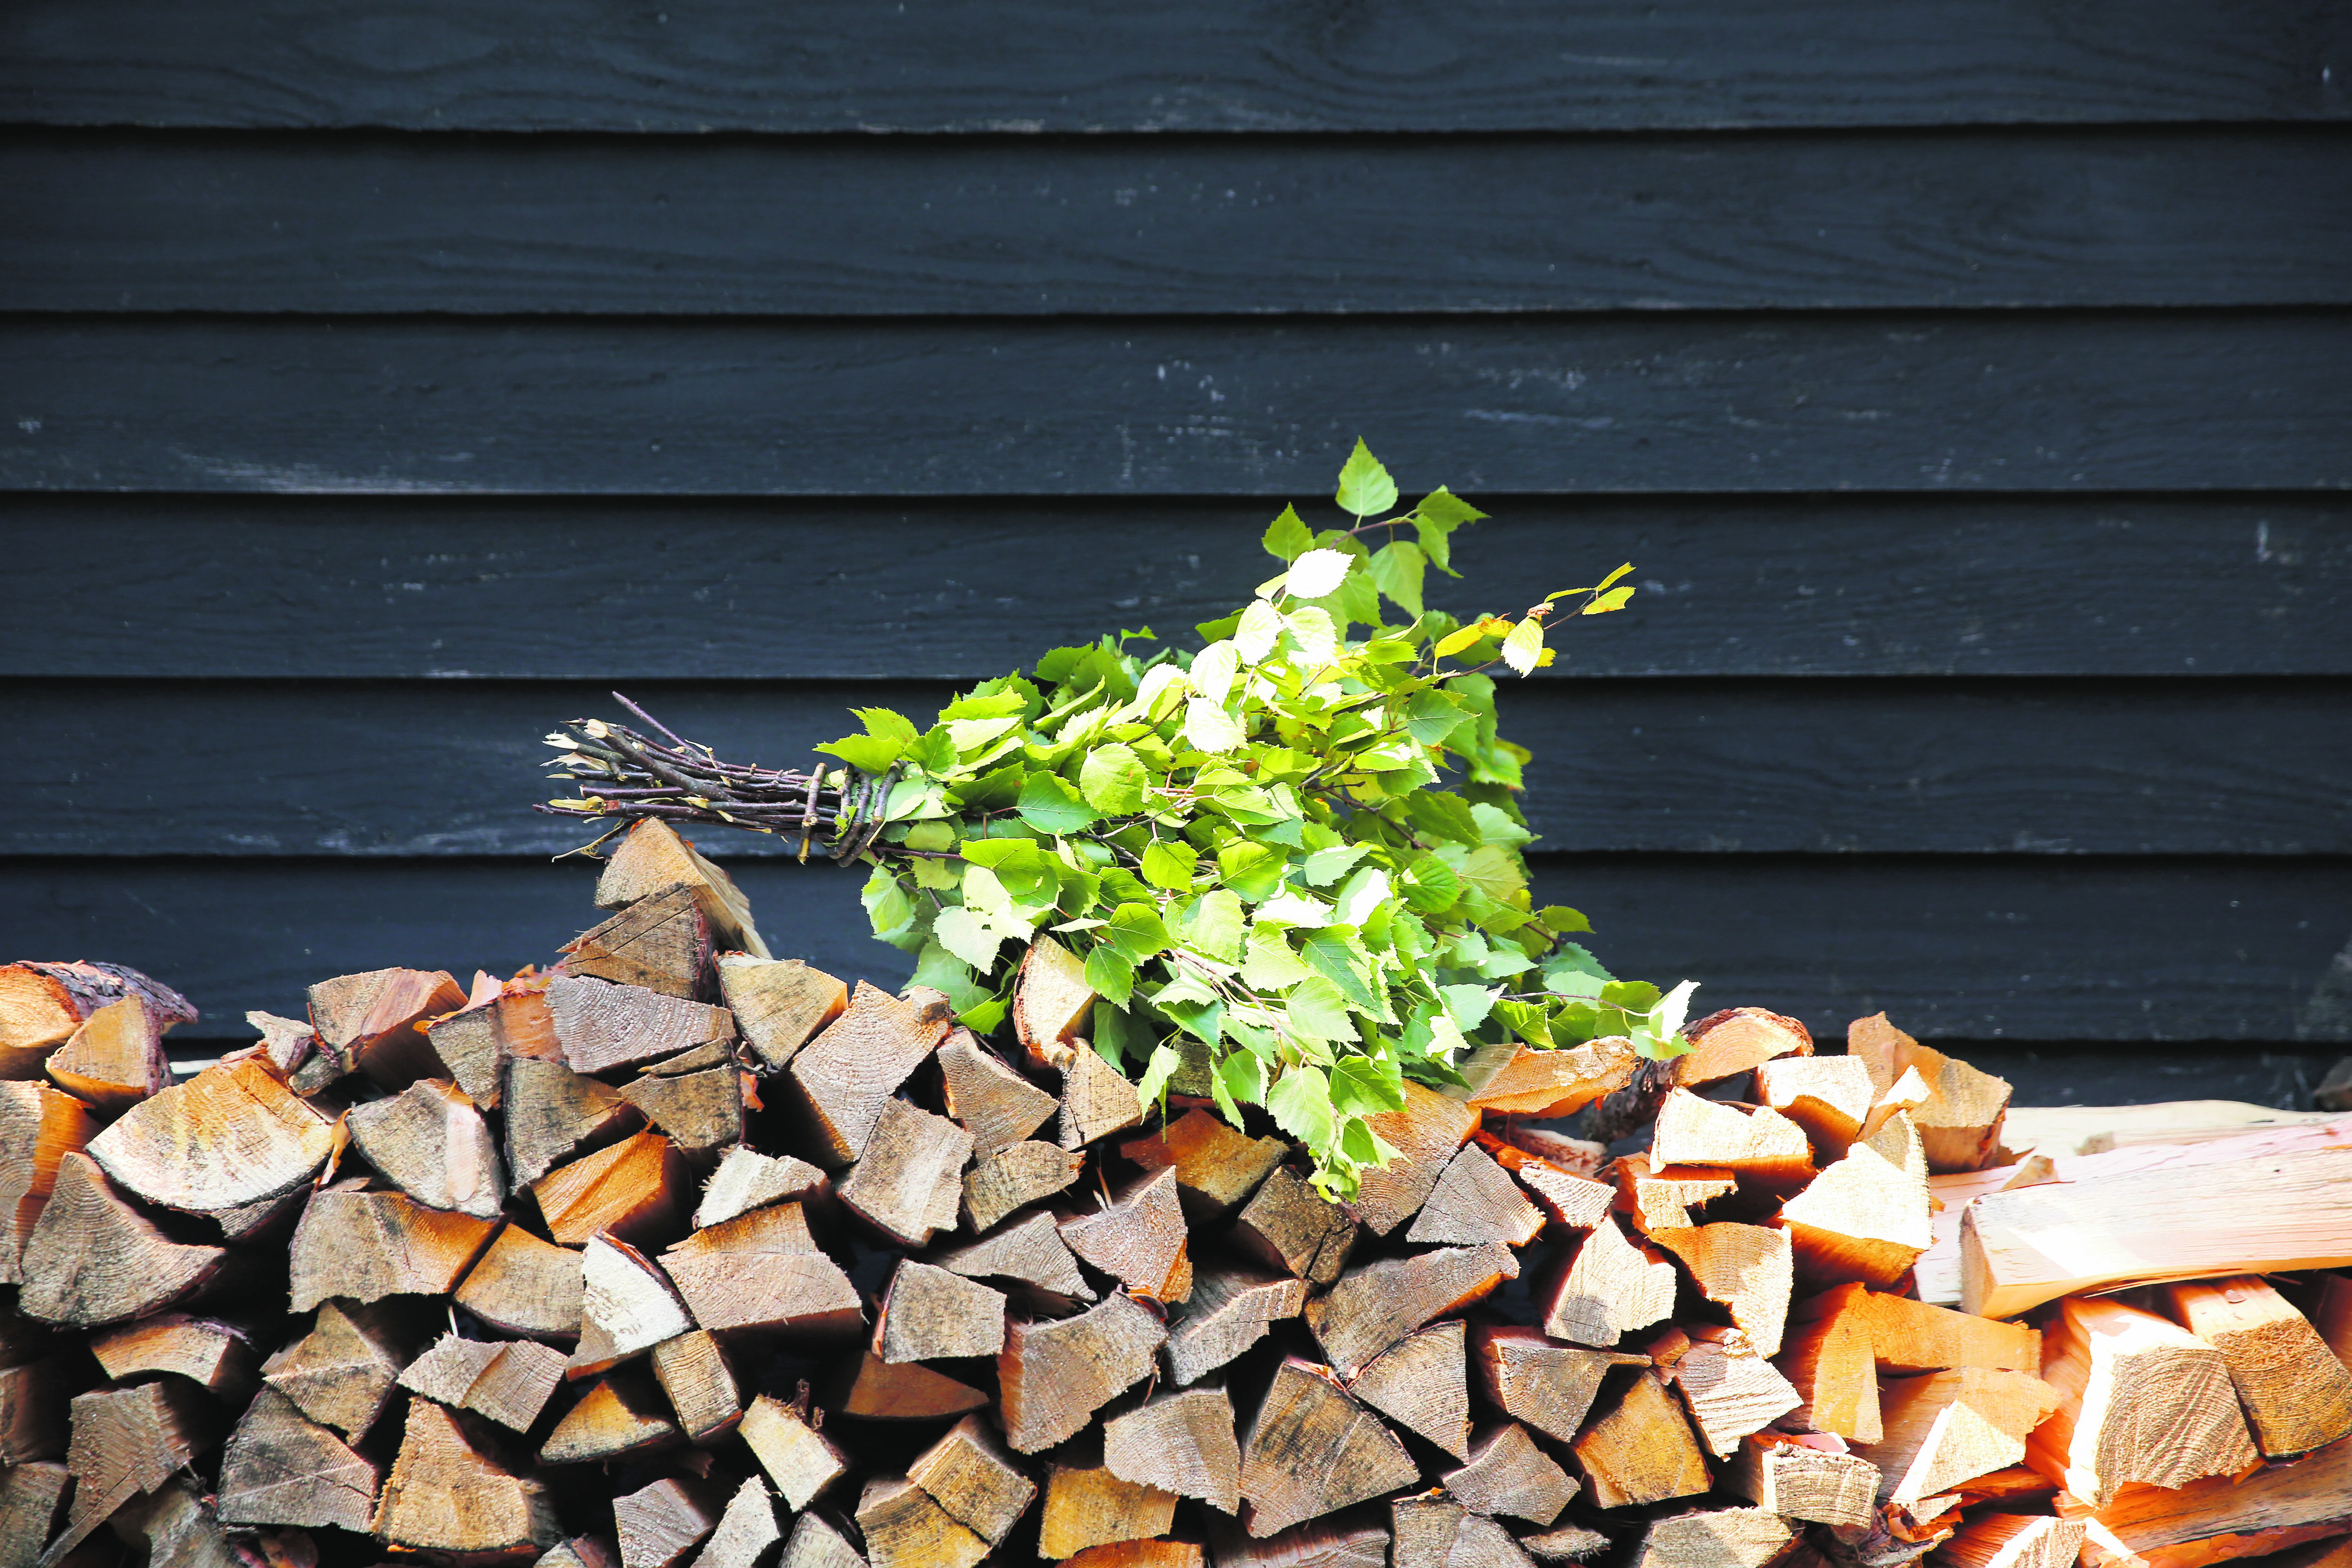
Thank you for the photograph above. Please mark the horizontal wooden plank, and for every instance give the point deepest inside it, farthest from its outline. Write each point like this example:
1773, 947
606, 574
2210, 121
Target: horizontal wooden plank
1240, 65
380, 224
1750, 767
2007, 401
662, 589
1985, 948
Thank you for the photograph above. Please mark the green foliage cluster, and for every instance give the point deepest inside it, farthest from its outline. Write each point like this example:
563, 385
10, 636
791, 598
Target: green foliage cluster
1254, 847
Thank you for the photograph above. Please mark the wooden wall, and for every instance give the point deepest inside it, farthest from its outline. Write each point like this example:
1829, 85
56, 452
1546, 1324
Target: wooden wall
1971, 381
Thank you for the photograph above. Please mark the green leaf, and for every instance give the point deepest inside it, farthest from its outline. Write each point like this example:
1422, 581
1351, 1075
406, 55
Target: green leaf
1242, 1077
884, 723
1362, 1086
1325, 867
992, 705
1612, 600
1300, 1102
1269, 964
1171, 866
1429, 885
970, 935
1495, 871
1318, 1012
1317, 573
1441, 512
1561, 921
1253, 870
1467, 1005
1135, 929
1358, 1142
950, 976
887, 903
1524, 646
1498, 826
1397, 570
1111, 975
866, 753
991, 791
1050, 805
1112, 779
1209, 727
1212, 926
1431, 716
1286, 538
1165, 1060
1338, 953
1365, 487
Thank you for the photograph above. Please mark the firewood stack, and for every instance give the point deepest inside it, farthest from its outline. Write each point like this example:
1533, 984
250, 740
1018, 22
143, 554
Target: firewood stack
678, 1256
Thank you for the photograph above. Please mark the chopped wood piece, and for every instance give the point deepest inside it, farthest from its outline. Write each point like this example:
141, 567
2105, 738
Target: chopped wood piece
1137, 1237
2333, 1316
842, 1081
779, 1004
693, 1372
525, 1285
341, 1372
1432, 1531
33, 1411
1425, 1134
1609, 1288
764, 1270
281, 1468
115, 1059
619, 1415
1015, 1176
1905, 1094
176, 1528
1576, 1157
1216, 1167
2296, 1395
657, 1525
29, 1496
363, 1247
1508, 1474
818, 1543
1746, 1267
231, 1135
1291, 1226
662, 944
127, 1441
1568, 1543
1946, 1428
1312, 1449
1532, 1379
1866, 1217
1228, 1311
1827, 1357
2014, 1541
1662, 1197
1959, 1123
1759, 1143
700, 1111
1793, 1478
1737, 1040
601, 1026
476, 1045
2138, 1399
41, 1005
801, 1460
1515, 1080
1829, 1097
510, 1381
2056, 1131
906, 1391
1642, 1450
996, 1105
1912, 1336
1473, 1202
1731, 1391
626, 1301
1373, 1307
701, 1058
747, 1530
904, 1528
1088, 1505
1096, 1102
908, 1179
746, 1180
1422, 1384
92, 1259
1566, 1198
214, 1356
1053, 1375
1146, 1555
39, 1126
1318, 1544
968, 1473
1029, 1250
929, 1313
636, 1189
1714, 1537
430, 1143
1051, 999
2219, 1517
373, 1023
553, 1114
1182, 1443
653, 859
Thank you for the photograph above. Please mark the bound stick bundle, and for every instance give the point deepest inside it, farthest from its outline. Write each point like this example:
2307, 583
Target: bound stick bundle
680, 1256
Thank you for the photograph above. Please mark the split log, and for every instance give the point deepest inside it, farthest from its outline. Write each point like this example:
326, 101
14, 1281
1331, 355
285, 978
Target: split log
39, 1126
2296, 1395
1148, 1555
662, 944
1474, 1202
657, 1526
2014, 1541
495, 1027
1566, 1543
1422, 1384
637, 1189
524, 1286
627, 1305
1865, 1218
29, 1496
1425, 1135
904, 1528
908, 1179
1515, 1080
1373, 1307
779, 1004
1546, 1385
1665, 1197
1182, 1443
1566, 1198
1737, 1040
622, 1415
1790, 1477
92, 1259
363, 1247
930, 1314
1096, 1099
1757, 1143
1053, 1376
341, 1374
231, 1135
2138, 1399
906, 1391
1508, 1474
1714, 1538
41, 1005
763, 1271
1088, 1505
373, 1023
2333, 1316
1229, 1311
1959, 1123
126, 1442
747, 1530
1611, 1286
1015, 1176
1137, 1237
2057, 1132
553, 1114
1288, 1226
1354, 1542
1946, 1428
510, 1381
1827, 1357
1829, 1097
841, 1082
1729, 1389
1432, 1531
214, 1356
996, 1105
700, 1111
281, 1469
176, 1529
1312, 1450
1912, 1336
655, 859
968, 1473
1216, 1167
817, 1542
33, 1411
800, 1459
746, 1179
115, 1059
1051, 999
1027, 1251
2219, 1517
1641, 1449
1746, 1268
601, 1026
430, 1143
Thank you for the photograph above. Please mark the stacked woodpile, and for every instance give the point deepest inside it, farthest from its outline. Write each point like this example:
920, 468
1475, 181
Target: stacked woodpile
680, 1256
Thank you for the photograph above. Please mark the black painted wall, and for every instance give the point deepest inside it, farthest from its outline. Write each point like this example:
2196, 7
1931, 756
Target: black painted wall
1971, 379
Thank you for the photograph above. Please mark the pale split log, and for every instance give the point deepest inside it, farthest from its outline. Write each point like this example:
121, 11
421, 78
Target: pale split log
1913, 1336
1960, 1122
1229, 1311
41, 1005
601, 1026
1641, 1449
779, 1004
2057, 1132
362, 1247
662, 944
1564, 1544
1288, 1226
2137, 1399
115, 1059
623, 1413
1757, 1143
905, 1528
1576, 1157
283, 1468
1908, 1093
1533, 1379
746, 1179
1373, 1307
1086, 1504
968, 1473
1138, 1554
1473, 1202
1829, 1097
1746, 1268
996, 1105
267, 1221
39, 1126
762, 1271
2297, 1397
1312, 1449
1789, 1476
1053, 1376
1566, 1198
1714, 1537
498, 1025
637, 1189
2014, 1541
1217, 1168
906, 1390
1051, 998
1507, 1474
800, 1459
655, 1526
840, 1083
2219, 1517
1737, 1040
1425, 1135
701, 1112
33, 1410
1028, 1250
747, 1529
127, 1442
1349, 1541
626, 1303
1137, 1236
233, 1134
553, 1114
178, 1530
508, 1381
1015, 1176
1096, 1099
1827, 1356
1515, 1080
1729, 1389
1865, 1218
1943, 1429
1180, 1442
523, 1285
1422, 1384
1665, 1197
1609, 1288
908, 1176
817, 1542
216, 1357
341, 1374
930, 1313
29, 1496
432, 1143
92, 1259
1434, 1530
373, 1023
580, 1551
654, 859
